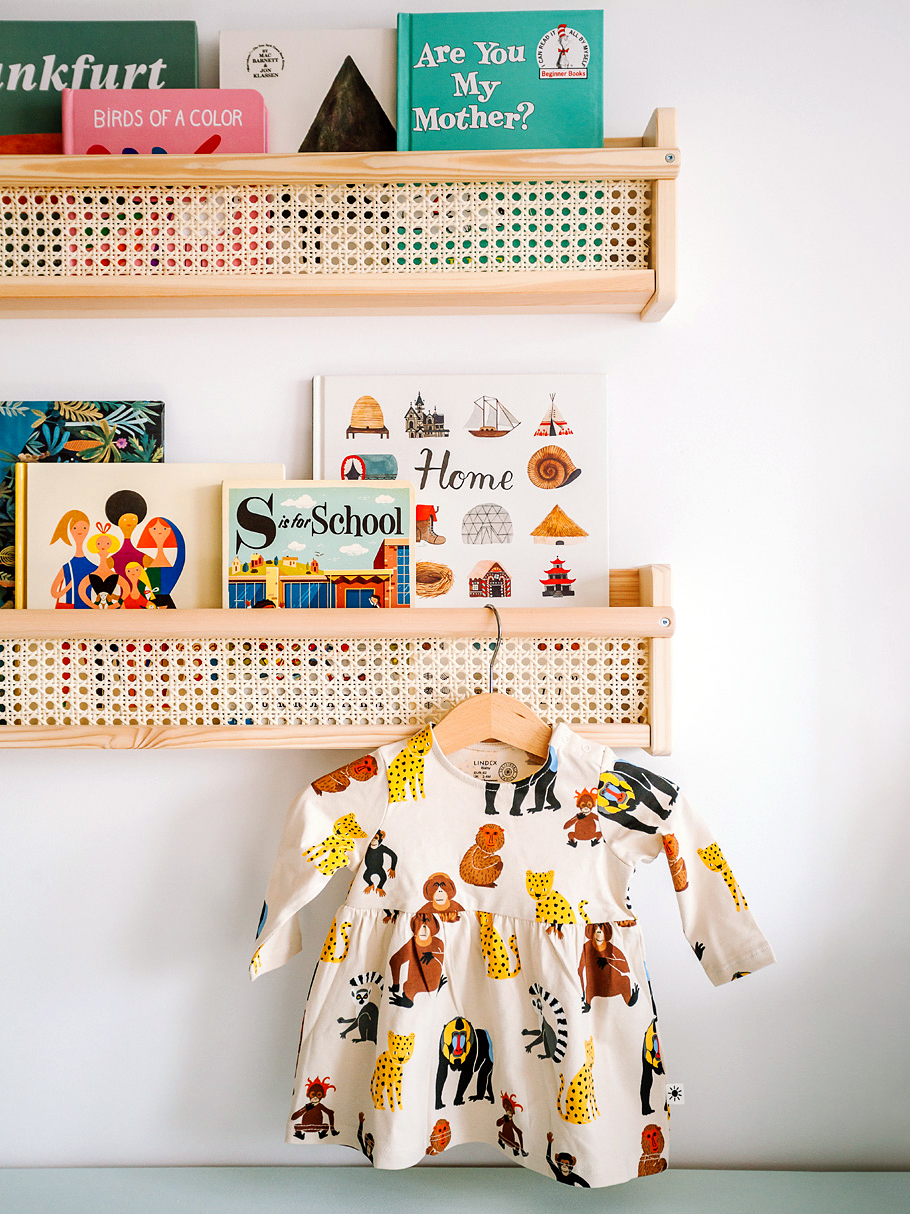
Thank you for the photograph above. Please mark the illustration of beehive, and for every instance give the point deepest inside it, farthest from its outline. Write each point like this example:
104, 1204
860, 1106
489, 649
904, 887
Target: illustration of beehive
366, 418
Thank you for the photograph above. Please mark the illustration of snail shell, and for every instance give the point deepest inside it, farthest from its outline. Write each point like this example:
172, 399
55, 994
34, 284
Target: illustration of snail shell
551, 468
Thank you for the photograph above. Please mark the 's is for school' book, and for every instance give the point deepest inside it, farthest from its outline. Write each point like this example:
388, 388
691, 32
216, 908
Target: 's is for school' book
500, 80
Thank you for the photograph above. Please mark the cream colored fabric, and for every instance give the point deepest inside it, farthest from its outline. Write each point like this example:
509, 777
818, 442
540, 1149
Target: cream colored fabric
485, 978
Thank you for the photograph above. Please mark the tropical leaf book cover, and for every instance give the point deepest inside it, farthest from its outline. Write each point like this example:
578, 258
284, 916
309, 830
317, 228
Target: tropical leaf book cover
68, 431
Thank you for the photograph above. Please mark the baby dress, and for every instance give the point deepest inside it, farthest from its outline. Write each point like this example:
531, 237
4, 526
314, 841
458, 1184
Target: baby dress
485, 978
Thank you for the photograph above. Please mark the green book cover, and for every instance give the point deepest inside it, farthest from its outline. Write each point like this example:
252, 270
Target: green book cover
500, 80
40, 58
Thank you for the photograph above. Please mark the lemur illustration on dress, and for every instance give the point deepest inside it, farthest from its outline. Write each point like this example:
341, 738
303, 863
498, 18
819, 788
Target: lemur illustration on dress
422, 955
439, 891
602, 968
374, 859
366, 1021
388, 1072
551, 907
406, 769
332, 853
468, 1052
553, 1040
367, 1141
584, 826
331, 942
480, 865
712, 857
315, 1117
493, 948
677, 863
622, 792
652, 1143
510, 1136
564, 1166
543, 781
339, 779
581, 1103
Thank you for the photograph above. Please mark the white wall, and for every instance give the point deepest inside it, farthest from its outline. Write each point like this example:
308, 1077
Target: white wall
759, 439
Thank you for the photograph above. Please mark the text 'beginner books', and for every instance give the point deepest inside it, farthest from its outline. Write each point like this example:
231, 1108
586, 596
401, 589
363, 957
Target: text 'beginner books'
326, 90
318, 544
500, 80
148, 122
39, 59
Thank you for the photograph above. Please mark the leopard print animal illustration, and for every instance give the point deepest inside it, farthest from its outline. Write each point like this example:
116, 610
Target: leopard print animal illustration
581, 1104
712, 857
677, 863
406, 769
339, 779
553, 1040
552, 907
494, 950
332, 853
652, 1143
331, 943
388, 1072
480, 865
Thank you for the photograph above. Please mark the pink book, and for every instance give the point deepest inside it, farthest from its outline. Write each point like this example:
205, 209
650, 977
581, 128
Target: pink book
150, 121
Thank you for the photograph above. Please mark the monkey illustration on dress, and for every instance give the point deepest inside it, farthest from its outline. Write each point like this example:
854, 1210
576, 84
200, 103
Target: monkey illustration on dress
652, 1143
510, 1136
367, 1141
439, 891
480, 865
315, 1117
564, 1166
339, 779
677, 863
584, 826
603, 968
469, 1052
374, 859
423, 955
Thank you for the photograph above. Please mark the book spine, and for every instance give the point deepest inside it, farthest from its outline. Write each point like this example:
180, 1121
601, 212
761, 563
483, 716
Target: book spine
67, 115
19, 491
404, 82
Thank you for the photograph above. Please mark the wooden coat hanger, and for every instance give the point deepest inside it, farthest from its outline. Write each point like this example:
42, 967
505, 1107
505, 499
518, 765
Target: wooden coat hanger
493, 717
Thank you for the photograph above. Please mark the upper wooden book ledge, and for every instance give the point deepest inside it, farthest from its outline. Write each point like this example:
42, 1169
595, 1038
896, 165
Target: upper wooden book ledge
331, 678
587, 230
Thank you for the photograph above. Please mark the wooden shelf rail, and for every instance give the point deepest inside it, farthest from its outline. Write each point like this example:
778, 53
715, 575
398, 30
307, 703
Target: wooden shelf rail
585, 230
331, 679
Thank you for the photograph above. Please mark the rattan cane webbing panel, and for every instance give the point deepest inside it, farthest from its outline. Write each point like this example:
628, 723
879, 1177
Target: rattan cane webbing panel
272, 229
381, 681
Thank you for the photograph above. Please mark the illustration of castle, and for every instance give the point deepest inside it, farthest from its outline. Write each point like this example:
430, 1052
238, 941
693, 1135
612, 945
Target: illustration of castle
287, 582
419, 423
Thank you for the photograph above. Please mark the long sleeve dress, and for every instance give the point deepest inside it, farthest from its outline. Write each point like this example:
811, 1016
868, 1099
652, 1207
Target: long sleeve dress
485, 978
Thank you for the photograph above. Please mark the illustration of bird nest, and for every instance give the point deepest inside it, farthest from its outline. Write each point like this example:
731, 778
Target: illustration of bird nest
432, 579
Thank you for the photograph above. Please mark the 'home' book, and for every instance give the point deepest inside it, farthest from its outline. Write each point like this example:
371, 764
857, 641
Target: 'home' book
500, 80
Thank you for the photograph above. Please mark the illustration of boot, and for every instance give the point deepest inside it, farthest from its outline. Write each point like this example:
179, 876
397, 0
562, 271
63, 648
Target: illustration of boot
426, 517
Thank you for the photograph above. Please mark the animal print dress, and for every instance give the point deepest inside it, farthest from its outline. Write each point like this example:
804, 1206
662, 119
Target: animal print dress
485, 979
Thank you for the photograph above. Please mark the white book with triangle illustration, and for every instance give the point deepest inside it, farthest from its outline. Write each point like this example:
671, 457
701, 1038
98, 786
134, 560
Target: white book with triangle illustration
325, 90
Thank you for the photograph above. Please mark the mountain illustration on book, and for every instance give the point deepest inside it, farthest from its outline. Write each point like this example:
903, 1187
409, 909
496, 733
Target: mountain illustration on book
558, 528
553, 424
491, 419
350, 118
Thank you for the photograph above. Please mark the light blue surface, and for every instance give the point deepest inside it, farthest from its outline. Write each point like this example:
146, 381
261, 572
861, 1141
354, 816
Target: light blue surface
300, 1189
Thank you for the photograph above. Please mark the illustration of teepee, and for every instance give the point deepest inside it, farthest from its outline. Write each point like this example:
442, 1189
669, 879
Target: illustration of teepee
553, 424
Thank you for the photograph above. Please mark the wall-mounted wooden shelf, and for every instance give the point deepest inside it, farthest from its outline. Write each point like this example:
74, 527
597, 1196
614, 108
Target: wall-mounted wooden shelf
385, 233
331, 679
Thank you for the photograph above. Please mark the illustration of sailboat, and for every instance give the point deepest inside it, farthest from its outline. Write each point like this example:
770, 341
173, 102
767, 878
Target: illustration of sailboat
553, 424
491, 419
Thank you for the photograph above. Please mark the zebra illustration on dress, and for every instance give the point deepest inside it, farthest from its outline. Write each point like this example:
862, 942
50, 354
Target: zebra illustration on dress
553, 1040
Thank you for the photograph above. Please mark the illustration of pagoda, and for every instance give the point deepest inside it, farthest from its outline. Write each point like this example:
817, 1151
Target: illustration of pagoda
556, 583
553, 425
419, 422
491, 419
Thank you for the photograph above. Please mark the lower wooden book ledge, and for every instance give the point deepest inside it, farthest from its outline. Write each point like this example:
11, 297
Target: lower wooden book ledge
445, 1190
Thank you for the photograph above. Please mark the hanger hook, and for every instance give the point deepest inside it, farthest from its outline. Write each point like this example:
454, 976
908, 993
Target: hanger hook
497, 645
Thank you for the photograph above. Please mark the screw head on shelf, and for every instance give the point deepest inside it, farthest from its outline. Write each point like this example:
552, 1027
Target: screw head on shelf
670, 157
665, 623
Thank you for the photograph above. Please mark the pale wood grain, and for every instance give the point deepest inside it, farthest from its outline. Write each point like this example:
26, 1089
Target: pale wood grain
662, 133
655, 590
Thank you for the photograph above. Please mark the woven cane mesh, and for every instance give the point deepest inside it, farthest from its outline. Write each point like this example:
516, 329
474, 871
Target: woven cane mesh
218, 230
337, 682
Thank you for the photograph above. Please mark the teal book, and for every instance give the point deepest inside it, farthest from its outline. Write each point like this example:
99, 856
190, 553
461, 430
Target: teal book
38, 59
500, 80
